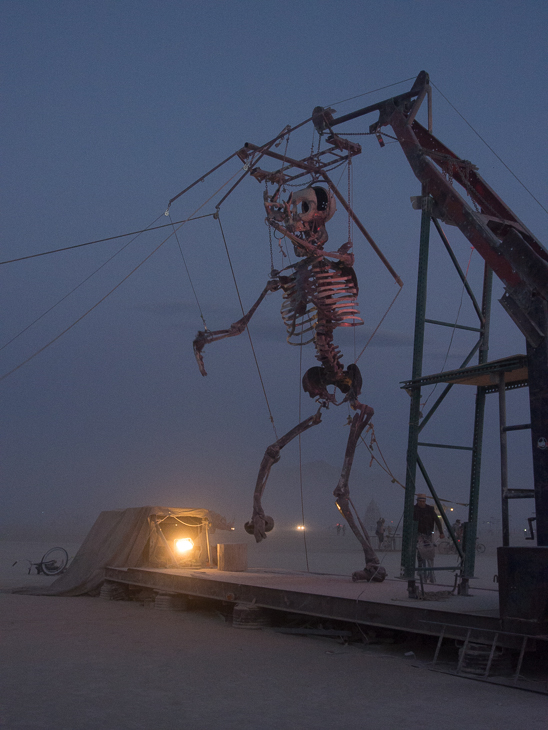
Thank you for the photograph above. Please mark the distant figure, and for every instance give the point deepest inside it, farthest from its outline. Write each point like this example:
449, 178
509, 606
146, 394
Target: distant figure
379, 532
344, 530
338, 528
427, 518
458, 529
389, 539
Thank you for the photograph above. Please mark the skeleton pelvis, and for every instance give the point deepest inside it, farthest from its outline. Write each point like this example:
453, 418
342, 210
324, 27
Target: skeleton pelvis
317, 379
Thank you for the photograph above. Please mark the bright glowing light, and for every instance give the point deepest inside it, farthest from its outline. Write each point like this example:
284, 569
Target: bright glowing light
184, 545
300, 527
451, 509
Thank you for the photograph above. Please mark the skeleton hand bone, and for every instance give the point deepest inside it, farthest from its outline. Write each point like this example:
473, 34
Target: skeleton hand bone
203, 338
199, 343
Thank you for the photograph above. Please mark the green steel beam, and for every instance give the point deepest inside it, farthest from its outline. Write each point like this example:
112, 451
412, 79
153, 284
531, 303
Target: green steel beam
439, 505
447, 388
409, 540
460, 272
445, 446
452, 325
471, 527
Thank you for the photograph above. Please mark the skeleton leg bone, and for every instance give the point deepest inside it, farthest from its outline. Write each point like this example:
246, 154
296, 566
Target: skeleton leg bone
373, 570
261, 523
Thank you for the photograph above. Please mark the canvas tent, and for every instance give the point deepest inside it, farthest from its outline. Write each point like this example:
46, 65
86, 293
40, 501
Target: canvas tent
122, 538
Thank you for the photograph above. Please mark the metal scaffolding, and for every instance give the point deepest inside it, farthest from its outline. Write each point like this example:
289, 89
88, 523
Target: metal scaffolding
487, 377
417, 421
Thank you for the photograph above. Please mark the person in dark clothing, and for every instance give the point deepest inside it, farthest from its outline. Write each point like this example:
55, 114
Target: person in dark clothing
426, 517
379, 532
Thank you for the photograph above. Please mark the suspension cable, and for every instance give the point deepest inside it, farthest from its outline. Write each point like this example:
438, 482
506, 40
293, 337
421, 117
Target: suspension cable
300, 451
85, 313
76, 287
489, 147
247, 327
102, 240
200, 179
411, 78
380, 323
188, 274
387, 469
13, 370
454, 328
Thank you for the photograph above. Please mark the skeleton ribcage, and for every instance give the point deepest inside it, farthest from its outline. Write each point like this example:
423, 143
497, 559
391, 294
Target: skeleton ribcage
319, 296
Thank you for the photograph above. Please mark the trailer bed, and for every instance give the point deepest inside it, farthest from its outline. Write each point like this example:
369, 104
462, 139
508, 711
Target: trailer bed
335, 597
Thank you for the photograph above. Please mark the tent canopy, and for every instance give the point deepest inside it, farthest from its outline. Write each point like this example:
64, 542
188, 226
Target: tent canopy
118, 538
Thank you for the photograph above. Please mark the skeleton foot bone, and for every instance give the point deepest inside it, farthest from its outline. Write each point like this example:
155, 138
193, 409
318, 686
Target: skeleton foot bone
373, 572
259, 525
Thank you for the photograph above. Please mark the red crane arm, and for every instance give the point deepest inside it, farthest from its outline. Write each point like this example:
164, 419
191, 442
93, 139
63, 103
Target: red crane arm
516, 256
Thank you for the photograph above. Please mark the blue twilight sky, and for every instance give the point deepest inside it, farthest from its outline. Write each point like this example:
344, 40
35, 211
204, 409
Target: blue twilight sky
112, 108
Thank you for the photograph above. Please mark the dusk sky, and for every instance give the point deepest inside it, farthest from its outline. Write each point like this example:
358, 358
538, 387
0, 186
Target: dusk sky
110, 109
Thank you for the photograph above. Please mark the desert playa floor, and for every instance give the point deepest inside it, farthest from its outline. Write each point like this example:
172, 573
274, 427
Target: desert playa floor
86, 663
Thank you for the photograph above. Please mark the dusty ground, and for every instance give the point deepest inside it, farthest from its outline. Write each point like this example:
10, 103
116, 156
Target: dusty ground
86, 663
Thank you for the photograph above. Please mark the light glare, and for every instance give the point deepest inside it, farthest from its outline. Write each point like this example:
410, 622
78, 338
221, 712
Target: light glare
184, 545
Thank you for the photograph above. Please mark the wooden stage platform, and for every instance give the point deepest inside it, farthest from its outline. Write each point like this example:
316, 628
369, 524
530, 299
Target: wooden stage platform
334, 597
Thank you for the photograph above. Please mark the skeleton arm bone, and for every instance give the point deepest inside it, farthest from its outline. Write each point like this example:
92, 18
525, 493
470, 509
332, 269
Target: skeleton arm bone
204, 338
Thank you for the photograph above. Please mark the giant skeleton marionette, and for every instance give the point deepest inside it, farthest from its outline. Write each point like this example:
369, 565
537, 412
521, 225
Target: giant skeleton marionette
319, 295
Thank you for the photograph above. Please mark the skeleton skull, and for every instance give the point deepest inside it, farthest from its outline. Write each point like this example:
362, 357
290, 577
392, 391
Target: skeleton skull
311, 207
302, 216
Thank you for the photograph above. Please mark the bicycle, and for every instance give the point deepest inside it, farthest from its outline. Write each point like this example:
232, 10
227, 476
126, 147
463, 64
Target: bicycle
53, 562
447, 547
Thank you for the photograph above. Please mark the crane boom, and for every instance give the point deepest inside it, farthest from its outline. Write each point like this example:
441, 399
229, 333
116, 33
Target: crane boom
509, 248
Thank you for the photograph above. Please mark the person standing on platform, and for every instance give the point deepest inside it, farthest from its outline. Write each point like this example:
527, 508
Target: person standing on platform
379, 532
426, 517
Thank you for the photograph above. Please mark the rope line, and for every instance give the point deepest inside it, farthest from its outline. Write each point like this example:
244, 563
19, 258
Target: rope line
102, 240
369, 447
489, 147
13, 370
75, 288
454, 328
380, 323
247, 328
188, 274
388, 471
85, 313
411, 78
300, 452
199, 180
